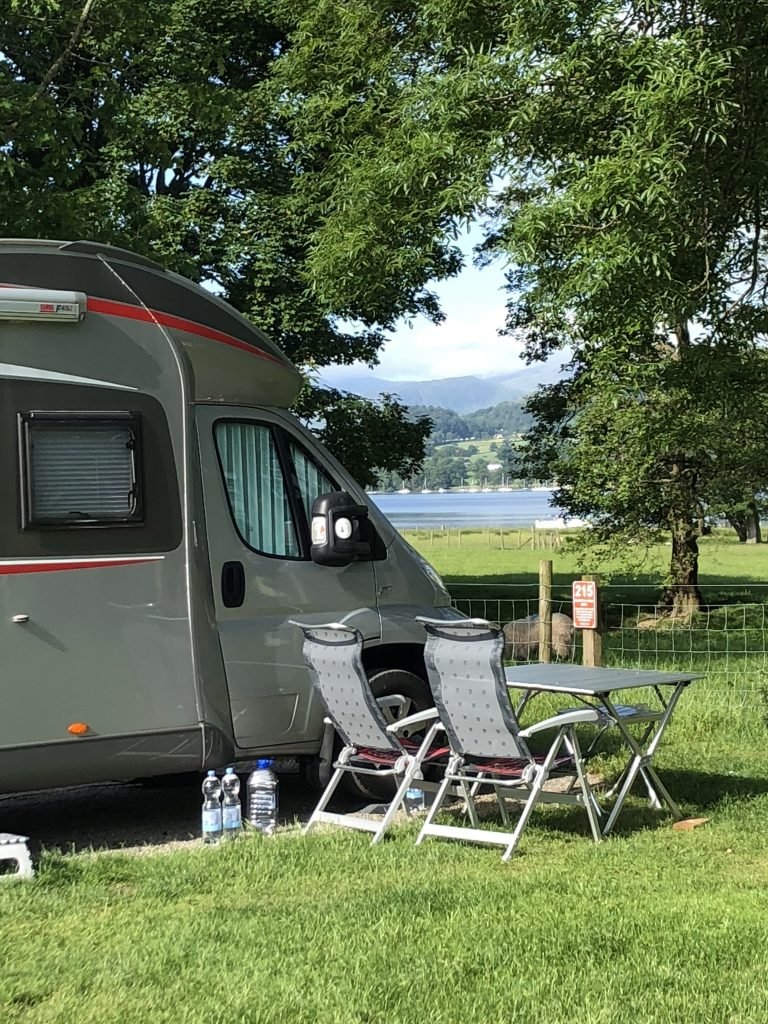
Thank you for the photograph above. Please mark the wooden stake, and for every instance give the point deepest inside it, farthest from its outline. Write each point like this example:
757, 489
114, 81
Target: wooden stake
592, 638
545, 610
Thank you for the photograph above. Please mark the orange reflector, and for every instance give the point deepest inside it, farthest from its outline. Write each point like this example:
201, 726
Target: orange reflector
77, 728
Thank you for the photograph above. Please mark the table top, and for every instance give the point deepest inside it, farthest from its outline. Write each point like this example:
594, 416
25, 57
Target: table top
589, 682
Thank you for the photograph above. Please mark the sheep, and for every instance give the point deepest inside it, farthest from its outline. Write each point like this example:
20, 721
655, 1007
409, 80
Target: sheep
522, 638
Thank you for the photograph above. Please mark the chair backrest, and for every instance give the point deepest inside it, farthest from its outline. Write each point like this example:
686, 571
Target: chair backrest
333, 655
464, 659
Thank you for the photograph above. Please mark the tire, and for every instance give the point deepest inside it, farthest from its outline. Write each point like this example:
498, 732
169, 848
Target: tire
391, 682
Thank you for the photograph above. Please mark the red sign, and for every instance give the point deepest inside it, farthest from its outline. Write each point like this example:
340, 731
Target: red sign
584, 597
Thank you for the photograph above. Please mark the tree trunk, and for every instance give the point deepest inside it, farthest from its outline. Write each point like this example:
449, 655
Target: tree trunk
747, 526
740, 527
753, 525
682, 596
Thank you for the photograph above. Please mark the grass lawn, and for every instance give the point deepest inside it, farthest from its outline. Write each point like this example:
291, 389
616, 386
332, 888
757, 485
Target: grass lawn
477, 558
654, 926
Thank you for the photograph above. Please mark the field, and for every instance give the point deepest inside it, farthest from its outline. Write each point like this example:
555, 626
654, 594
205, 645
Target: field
483, 445
654, 926
477, 557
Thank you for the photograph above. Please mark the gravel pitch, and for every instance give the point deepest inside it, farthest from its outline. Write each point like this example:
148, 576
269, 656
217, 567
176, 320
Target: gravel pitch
130, 816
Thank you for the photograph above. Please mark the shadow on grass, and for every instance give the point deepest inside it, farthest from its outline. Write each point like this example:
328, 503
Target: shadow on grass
699, 794
129, 815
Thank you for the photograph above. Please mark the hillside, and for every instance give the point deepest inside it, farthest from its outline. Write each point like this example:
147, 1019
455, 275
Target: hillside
461, 394
507, 418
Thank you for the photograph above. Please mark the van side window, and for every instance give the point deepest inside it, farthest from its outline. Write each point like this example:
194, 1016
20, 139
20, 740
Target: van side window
258, 497
311, 479
80, 469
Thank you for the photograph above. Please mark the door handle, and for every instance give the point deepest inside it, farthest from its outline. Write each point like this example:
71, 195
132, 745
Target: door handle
232, 584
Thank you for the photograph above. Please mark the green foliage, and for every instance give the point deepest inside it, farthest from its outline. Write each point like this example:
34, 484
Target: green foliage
447, 425
364, 435
507, 417
158, 127
618, 154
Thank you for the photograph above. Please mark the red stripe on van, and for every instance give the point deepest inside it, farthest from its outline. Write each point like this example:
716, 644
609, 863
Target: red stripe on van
179, 323
16, 568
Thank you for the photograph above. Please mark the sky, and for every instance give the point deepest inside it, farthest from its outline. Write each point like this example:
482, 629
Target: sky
467, 342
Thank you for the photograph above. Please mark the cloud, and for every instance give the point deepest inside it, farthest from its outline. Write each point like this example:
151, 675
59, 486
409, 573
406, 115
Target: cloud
466, 343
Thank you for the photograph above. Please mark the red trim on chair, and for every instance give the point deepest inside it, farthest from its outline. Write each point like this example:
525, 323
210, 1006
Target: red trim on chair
515, 766
390, 757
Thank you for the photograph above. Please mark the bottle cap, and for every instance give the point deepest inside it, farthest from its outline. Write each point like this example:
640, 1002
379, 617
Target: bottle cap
264, 763
211, 771
231, 770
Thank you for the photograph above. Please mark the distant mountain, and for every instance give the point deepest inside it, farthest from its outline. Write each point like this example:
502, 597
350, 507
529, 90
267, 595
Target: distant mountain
462, 394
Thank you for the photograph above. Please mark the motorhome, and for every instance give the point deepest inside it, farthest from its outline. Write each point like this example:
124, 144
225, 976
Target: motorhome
156, 533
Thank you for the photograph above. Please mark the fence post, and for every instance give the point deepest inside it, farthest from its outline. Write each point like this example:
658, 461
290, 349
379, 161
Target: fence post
545, 609
593, 639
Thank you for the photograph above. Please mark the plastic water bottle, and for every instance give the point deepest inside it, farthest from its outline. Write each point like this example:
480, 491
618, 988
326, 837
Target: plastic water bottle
262, 798
211, 808
231, 813
415, 800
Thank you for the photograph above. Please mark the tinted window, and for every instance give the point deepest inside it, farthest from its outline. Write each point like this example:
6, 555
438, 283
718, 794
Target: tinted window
311, 479
80, 470
256, 488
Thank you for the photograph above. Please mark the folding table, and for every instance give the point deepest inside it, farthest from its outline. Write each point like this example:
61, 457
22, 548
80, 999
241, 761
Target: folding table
594, 686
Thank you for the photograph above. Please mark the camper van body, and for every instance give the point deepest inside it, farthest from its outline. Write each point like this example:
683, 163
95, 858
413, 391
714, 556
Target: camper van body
145, 608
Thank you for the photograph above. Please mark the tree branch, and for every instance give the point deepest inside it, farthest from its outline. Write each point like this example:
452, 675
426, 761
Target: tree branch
63, 57
755, 261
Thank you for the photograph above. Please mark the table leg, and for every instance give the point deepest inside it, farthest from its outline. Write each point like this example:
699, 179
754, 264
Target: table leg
641, 760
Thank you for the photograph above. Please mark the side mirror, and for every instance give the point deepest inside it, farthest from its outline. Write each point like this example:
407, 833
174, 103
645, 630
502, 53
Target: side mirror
338, 528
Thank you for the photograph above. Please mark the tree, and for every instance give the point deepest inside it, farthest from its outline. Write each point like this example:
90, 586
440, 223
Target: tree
618, 152
157, 127
641, 460
477, 467
446, 424
509, 459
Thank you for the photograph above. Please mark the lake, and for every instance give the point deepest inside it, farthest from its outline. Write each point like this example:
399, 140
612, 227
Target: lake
509, 508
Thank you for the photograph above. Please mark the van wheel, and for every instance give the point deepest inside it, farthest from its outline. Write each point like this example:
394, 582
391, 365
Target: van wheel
392, 682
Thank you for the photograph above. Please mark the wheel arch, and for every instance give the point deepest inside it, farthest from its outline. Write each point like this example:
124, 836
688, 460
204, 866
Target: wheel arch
409, 657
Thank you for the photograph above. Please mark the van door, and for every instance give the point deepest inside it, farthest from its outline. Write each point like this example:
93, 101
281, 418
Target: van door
260, 478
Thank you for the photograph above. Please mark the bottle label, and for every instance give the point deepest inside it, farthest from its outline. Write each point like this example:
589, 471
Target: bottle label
212, 820
232, 817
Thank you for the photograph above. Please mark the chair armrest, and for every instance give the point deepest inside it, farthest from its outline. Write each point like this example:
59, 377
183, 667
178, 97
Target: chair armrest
428, 715
558, 721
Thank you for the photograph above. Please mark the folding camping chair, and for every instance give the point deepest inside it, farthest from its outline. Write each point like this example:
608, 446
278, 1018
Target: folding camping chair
333, 654
464, 661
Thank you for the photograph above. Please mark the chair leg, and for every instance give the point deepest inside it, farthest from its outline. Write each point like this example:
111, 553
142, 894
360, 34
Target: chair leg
541, 777
475, 789
434, 808
329, 791
501, 801
470, 803
397, 801
522, 821
586, 789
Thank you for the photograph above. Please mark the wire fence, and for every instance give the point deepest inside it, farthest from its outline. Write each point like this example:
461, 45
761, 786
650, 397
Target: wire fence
726, 639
